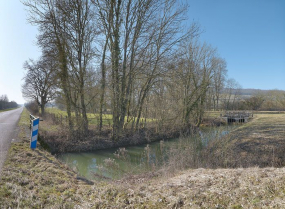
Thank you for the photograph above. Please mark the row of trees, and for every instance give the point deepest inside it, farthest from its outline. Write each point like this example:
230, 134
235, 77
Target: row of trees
5, 104
135, 58
273, 100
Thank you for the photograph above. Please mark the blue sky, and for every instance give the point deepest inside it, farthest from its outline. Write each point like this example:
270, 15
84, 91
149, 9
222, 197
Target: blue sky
249, 34
17, 44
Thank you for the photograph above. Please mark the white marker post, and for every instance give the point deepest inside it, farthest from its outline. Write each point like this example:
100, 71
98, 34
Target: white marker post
34, 133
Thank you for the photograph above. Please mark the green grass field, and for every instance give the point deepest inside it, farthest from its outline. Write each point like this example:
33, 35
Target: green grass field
92, 118
213, 114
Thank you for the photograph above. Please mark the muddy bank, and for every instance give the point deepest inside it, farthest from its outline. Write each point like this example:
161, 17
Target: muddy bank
62, 142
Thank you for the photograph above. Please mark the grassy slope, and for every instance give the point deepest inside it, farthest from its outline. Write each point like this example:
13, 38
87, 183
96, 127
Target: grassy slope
35, 179
217, 188
260, 143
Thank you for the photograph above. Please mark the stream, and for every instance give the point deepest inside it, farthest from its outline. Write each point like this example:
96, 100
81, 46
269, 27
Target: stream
115, 163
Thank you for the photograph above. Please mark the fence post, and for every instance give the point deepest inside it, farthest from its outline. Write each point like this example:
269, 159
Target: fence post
34, 124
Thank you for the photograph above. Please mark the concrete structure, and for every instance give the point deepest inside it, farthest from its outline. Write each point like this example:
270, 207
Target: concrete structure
237, 116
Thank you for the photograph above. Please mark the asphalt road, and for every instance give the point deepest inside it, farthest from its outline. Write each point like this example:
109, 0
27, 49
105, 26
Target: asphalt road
8, 131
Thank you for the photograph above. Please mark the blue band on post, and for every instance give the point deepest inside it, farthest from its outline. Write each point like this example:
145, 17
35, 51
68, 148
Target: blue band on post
34, 134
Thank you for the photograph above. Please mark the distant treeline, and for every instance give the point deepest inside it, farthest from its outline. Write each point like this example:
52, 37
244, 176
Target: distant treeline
32, 107
5, 104
262, 100
250, 92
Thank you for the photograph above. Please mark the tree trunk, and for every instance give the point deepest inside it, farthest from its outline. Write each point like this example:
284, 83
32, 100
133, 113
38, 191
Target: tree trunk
43, 109
84, 113
64, 83
103, 84
115, 72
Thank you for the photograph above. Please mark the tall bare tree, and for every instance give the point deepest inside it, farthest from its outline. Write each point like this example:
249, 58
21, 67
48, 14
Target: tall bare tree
40, 81
141, 34
148, 64
51, 21
231, 93
67, 27
218, 81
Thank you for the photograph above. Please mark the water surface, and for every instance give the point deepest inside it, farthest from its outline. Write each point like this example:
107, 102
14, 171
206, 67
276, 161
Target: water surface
116, 162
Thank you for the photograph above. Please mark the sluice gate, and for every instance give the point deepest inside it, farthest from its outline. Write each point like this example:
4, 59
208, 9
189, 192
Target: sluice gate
237, 116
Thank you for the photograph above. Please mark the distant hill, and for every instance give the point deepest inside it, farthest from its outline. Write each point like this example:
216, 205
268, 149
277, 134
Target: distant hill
249, 92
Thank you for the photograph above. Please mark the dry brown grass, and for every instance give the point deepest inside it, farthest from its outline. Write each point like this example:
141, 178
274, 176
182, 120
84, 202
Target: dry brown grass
32, 179
260, 142
35, 179
215, 188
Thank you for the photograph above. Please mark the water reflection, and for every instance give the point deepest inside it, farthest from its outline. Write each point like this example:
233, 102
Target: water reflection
115, 163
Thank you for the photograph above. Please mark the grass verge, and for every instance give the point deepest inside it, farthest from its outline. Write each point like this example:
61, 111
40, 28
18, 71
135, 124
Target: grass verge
33, 179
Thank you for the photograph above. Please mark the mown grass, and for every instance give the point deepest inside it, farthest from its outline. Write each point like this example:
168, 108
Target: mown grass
269, 112
93, 119
213, 114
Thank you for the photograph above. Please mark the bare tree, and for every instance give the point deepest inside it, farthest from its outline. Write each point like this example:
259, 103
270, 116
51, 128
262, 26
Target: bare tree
53, 38
81, 32
141, 34
218, 81
40, 82
67, 31
231, 93
148, 64
192, 79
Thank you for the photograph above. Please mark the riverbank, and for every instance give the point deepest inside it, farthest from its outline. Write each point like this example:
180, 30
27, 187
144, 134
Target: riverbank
55, 136
58, 139
35, 179
62, 142
258, 143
